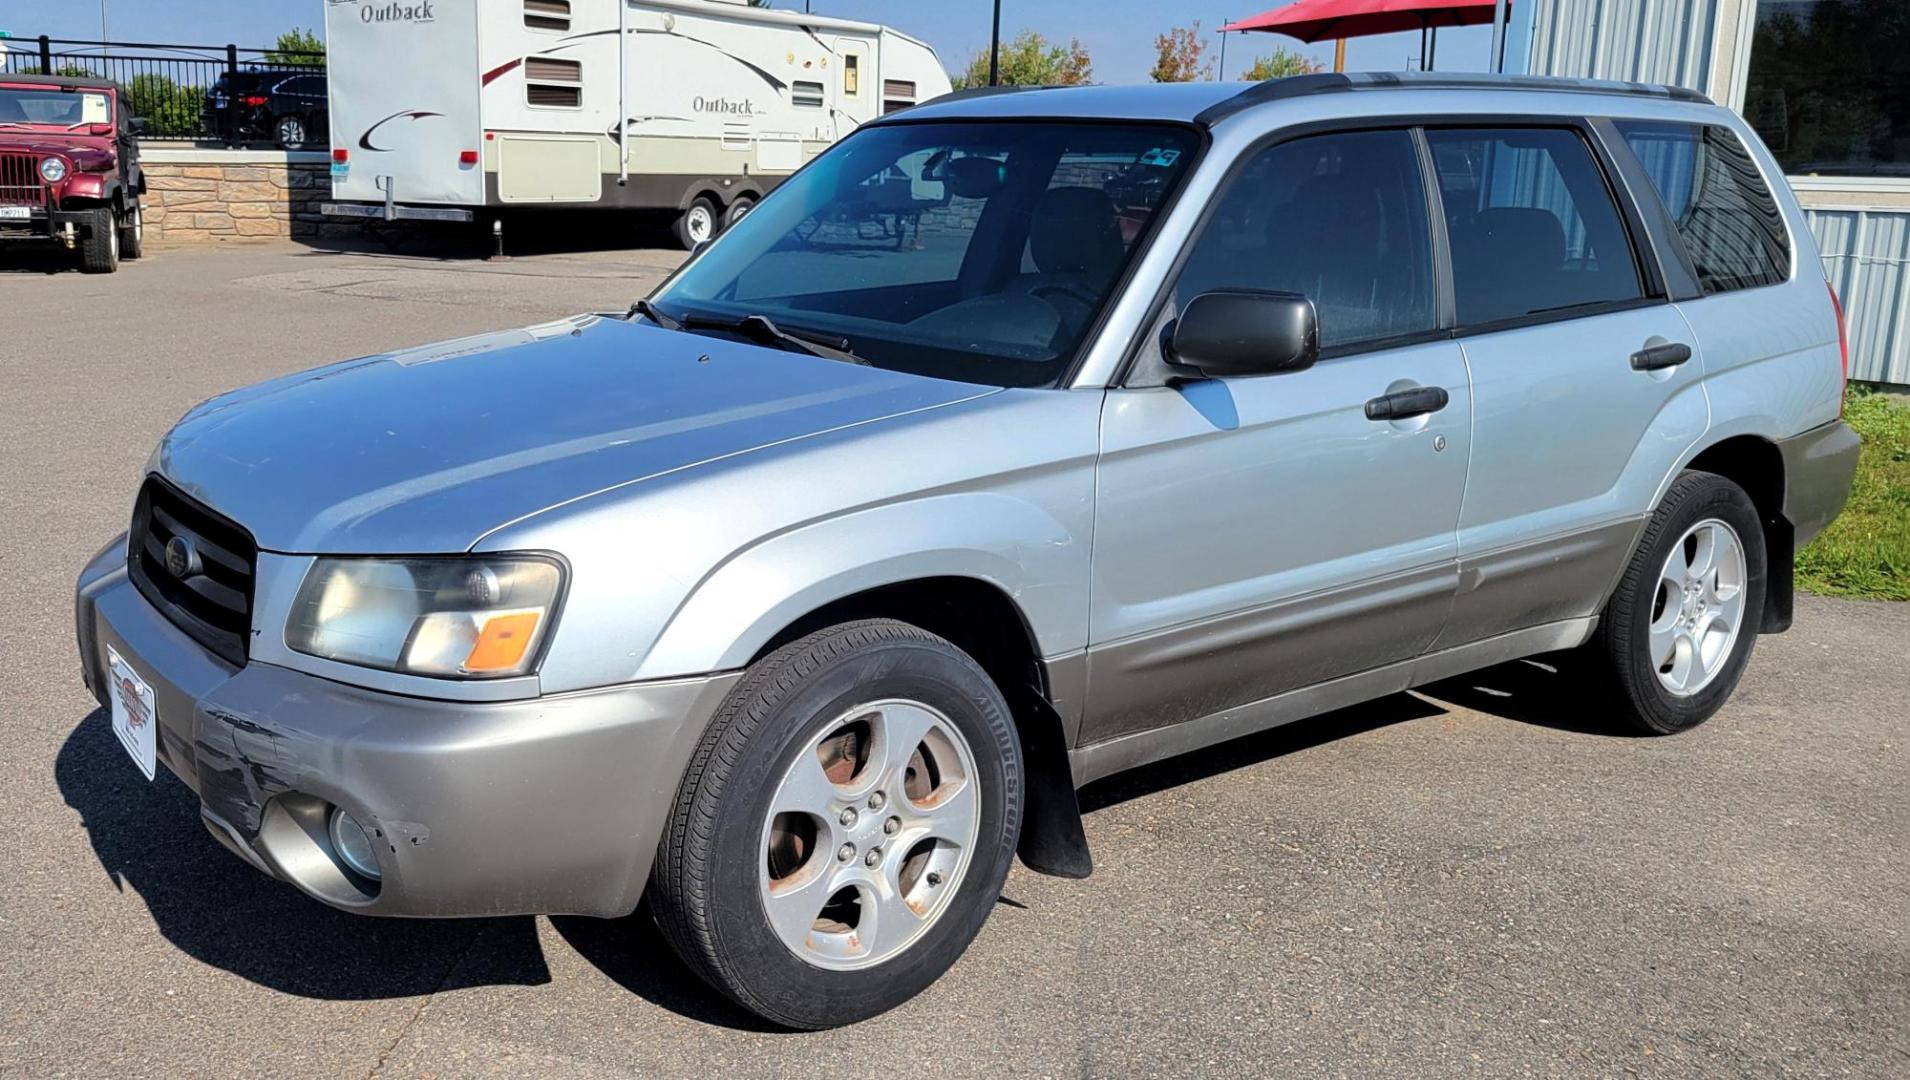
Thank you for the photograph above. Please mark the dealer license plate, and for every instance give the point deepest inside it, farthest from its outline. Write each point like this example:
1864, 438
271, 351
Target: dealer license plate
135, 719
15, 213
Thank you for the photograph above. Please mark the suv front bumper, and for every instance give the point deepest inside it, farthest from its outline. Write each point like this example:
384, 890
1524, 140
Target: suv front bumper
550, 805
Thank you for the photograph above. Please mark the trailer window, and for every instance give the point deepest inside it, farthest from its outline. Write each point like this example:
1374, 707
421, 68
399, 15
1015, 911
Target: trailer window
547, 14
897, 94
808, 94
553, 84
851, 74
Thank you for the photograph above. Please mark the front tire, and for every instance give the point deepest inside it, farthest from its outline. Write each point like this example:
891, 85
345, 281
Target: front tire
1677, 633
99, 249
844, 827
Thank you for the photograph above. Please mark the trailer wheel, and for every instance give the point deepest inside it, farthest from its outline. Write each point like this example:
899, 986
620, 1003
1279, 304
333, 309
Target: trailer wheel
697, 224
738, 210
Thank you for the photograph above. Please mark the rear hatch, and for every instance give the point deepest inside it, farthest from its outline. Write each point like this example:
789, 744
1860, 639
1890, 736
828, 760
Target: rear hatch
404, 101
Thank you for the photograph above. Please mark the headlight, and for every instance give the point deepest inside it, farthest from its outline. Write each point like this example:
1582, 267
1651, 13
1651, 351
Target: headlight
52, 170
467, 617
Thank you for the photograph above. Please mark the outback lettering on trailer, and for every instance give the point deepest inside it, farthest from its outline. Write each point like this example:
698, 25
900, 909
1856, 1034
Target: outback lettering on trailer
395, 12
744, 107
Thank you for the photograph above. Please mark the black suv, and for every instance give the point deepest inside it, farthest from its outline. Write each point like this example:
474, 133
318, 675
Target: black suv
283, 106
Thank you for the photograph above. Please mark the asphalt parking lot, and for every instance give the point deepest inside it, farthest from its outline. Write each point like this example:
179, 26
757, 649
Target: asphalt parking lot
1478, 880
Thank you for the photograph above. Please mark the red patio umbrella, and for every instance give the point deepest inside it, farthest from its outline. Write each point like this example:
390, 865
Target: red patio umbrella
1319, 20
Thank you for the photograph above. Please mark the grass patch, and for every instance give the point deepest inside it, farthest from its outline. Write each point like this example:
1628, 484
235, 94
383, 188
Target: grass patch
1866, 552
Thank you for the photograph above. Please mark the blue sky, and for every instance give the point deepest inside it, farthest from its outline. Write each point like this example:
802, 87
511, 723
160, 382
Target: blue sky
1119, 34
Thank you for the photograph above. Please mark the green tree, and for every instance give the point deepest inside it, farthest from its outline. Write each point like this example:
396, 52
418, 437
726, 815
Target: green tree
296, 48
1031, 60
171, 110
1280, 65
1178, 55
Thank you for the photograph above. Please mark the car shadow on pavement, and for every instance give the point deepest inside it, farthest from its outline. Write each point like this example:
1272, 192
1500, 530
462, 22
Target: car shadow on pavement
632, 952
38, 258
1555, 690
218, 910
1254, 749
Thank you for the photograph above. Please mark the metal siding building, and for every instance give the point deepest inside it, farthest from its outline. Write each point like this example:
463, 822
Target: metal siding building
1862, 224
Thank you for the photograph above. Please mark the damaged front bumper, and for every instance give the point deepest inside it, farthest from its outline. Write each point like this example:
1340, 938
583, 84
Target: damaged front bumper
549, 805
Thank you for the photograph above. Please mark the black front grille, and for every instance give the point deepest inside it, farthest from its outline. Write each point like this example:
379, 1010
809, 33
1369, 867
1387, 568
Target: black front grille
20, 179
213, 601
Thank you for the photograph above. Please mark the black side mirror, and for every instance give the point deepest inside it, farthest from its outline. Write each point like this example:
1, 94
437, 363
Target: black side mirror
136, 126
1240, 332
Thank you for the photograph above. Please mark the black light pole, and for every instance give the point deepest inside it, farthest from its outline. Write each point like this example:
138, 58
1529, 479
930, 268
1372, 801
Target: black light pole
994, 49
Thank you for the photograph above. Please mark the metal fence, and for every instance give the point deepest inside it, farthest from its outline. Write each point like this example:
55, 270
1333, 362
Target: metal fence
176, 88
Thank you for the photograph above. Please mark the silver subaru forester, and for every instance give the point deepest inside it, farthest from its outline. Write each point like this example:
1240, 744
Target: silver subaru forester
1018, 439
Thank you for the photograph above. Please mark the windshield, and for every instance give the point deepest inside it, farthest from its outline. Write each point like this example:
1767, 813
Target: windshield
54, 106
975, 252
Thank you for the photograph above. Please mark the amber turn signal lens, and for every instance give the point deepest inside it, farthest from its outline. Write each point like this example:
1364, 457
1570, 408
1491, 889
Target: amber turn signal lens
501, 644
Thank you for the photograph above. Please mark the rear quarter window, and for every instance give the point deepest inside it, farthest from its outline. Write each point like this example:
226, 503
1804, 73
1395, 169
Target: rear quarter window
1724, 211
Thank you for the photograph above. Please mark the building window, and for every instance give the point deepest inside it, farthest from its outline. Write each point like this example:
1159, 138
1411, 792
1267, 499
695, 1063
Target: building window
1829, 86
807, 94
553, 84
851, 75
547, 14
1726, 218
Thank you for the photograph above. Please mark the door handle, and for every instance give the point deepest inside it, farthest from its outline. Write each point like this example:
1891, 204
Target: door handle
1660, 356
1402, 404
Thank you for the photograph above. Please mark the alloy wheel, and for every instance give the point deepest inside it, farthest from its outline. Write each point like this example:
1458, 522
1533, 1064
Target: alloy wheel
1698, 610
869, 834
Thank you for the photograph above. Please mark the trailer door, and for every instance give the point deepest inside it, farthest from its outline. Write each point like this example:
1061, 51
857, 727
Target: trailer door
857, 88
404, 101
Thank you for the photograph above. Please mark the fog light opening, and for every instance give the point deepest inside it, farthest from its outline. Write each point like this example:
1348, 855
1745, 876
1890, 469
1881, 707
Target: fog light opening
352, 845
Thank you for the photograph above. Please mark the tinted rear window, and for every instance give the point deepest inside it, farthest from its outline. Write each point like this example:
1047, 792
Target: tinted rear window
1724, 211
1532, 223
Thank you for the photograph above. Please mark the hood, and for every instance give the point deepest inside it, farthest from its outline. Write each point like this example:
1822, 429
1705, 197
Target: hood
428, 449
86, 153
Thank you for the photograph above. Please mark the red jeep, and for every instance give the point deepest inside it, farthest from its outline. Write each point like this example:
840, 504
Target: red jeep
69, 168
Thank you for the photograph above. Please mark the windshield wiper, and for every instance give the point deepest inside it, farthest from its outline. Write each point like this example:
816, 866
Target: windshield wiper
762, 330
649, 310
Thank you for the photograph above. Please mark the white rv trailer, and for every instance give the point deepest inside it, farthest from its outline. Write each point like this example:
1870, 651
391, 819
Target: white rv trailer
452, 109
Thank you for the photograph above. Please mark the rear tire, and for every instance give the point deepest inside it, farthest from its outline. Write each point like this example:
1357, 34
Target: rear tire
844, 826
697, 224
738, 210
132, 232
1678, 631
99, 248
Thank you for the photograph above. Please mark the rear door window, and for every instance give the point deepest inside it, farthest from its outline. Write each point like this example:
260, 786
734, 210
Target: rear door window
1340, 219
1724, 212
1533, 225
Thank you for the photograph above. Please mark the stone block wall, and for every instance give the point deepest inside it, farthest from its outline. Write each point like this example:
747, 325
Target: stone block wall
197, 195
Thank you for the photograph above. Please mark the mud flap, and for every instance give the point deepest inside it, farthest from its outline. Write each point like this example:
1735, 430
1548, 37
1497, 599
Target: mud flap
1052, 839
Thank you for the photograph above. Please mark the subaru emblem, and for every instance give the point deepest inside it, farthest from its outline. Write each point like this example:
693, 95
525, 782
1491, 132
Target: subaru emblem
182, 559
